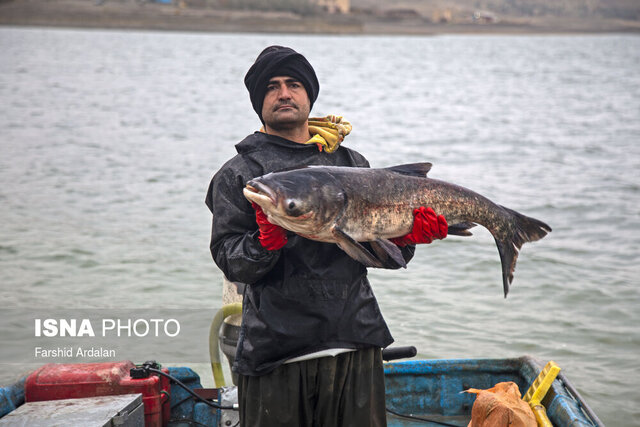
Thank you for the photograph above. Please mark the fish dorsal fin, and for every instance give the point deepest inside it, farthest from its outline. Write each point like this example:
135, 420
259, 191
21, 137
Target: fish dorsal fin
412, 169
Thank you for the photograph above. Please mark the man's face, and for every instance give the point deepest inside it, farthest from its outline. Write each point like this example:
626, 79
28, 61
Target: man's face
286, 104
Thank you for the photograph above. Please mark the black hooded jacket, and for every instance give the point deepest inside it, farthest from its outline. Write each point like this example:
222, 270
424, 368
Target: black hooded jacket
307, 296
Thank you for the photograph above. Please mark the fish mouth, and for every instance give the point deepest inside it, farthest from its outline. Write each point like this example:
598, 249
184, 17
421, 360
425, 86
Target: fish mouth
259, 193
267, 198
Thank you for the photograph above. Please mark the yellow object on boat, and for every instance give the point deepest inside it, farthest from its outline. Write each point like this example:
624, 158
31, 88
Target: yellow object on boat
541, 415
538, 391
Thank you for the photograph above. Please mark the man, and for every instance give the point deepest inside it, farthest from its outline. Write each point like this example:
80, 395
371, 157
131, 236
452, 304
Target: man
309, 352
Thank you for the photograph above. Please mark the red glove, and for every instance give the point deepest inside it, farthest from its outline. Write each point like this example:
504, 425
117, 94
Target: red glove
426, 227
272, 237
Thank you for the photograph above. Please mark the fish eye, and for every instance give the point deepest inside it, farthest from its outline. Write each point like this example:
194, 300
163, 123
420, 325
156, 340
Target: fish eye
293, 207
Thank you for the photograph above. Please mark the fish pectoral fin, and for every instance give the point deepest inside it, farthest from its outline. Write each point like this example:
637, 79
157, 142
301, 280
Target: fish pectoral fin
354, 249
386, 251
461, 229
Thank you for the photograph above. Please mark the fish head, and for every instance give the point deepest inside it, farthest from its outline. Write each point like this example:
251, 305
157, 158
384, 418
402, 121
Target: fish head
304, 201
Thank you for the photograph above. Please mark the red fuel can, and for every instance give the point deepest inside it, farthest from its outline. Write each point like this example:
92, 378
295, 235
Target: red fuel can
67, 381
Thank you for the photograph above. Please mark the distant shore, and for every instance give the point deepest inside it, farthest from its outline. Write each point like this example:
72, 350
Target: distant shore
180, 17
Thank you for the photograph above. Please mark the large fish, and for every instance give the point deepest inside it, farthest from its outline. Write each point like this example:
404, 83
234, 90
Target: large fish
346, 205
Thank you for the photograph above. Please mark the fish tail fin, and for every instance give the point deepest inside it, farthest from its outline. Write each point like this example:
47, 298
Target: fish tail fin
526, 229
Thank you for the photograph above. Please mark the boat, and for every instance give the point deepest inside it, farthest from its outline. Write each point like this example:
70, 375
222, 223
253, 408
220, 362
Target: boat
418, 392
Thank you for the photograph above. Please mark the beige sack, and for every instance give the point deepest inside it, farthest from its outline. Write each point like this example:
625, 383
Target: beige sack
500, 406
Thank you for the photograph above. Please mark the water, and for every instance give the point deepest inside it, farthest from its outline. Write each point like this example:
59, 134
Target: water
109, 140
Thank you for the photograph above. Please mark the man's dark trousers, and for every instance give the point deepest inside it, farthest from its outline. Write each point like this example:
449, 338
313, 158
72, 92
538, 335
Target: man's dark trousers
342, 391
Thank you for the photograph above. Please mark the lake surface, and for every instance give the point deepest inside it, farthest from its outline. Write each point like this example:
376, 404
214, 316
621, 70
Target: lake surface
109, 140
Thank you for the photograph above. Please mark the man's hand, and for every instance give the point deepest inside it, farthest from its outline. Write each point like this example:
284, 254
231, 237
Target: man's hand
426, 227
272, 237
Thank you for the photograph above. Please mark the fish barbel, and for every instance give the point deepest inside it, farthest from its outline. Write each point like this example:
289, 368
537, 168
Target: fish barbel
347, 205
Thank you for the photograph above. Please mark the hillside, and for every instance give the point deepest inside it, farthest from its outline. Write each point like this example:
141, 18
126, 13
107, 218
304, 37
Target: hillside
301, 16
514, 9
